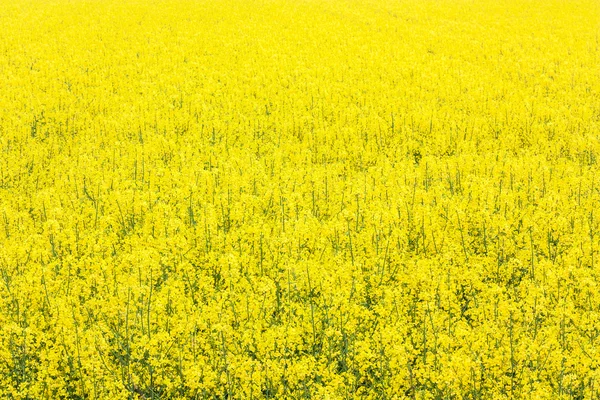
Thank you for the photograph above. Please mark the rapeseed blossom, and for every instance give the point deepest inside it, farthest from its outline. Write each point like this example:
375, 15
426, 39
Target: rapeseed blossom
299, 199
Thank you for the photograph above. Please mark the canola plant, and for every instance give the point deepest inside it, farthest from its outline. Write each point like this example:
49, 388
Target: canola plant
328, 199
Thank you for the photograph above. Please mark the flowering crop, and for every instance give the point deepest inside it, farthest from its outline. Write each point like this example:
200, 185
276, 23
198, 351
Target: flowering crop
327, 199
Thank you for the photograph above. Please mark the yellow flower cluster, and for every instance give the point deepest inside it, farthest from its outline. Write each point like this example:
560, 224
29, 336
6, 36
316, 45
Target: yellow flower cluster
329, 199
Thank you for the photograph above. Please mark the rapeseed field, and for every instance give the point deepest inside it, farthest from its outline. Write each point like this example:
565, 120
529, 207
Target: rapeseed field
294, 199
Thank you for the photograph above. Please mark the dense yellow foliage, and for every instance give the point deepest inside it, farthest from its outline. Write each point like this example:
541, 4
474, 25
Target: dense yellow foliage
320, 199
